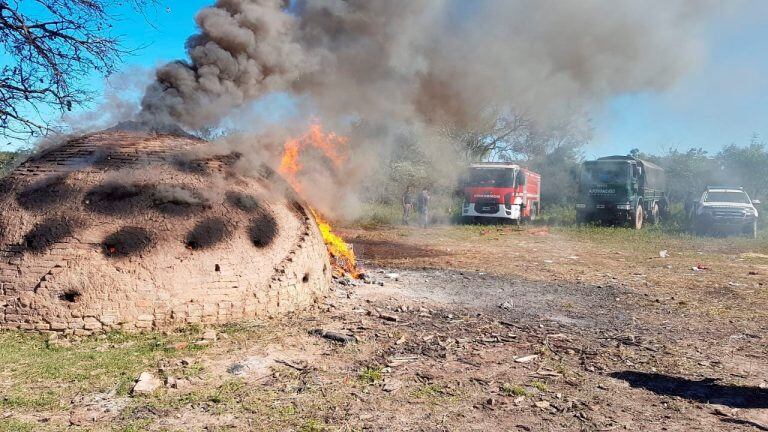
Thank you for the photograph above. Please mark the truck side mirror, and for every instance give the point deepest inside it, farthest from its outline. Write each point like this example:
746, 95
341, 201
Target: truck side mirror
756, 202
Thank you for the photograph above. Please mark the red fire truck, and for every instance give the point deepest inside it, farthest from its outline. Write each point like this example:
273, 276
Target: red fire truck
501, 190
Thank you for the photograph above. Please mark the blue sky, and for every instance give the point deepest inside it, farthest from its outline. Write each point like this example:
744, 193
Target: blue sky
723, 100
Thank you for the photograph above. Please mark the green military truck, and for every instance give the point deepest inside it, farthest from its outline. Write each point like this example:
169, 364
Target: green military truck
621, 189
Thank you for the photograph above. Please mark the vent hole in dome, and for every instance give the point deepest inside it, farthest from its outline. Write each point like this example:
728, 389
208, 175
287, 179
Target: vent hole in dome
305, 279
207, 234
127, 241
244, 202
71, 296
217, 268
47, 233
262, 230
116, 199
46, 193
178, 201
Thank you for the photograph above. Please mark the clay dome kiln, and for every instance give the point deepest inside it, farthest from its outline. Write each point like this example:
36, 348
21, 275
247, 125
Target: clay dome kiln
128, 230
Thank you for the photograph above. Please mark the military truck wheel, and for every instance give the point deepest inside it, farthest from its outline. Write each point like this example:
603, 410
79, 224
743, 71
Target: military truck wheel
655, 217
638, 218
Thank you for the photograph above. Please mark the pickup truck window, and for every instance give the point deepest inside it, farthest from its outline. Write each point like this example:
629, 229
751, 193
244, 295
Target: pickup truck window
730, 197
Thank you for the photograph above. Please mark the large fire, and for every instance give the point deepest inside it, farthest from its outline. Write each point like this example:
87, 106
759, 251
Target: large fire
334, 148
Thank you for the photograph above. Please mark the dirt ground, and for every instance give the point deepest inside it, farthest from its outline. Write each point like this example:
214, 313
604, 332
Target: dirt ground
458, 328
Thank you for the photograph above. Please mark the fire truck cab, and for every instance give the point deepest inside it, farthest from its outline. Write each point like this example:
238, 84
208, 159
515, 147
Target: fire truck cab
502, 191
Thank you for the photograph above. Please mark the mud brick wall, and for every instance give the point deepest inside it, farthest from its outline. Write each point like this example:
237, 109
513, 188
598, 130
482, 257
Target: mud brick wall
80, 257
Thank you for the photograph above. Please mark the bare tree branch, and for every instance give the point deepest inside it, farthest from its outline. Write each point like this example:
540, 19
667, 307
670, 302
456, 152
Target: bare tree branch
51, 45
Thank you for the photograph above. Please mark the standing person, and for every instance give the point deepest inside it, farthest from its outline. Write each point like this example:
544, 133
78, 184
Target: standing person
407, 205
424, 207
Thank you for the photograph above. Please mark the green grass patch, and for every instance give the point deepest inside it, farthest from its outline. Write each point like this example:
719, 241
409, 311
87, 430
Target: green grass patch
513, 390
428, 391
10, 425
22, 399
540, 386
371, 375
313, 425
28, 363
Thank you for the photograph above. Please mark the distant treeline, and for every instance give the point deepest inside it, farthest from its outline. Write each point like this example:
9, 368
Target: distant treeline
688, 172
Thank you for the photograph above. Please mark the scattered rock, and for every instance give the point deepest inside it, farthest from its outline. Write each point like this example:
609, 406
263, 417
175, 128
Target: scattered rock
526, 359
391, 386
389, 317
401, 360
178, 346
508, 305
393, 276
542, 404
146, 383
210, 335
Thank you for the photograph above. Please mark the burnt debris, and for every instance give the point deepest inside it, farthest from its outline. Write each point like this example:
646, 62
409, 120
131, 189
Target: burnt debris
127, 241
208, 233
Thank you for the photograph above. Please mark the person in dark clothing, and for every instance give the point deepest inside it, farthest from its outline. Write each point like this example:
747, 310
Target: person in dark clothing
424, 207
407, 202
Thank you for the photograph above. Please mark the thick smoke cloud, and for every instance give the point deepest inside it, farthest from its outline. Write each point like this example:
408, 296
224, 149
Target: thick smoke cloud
426, 61
245, 48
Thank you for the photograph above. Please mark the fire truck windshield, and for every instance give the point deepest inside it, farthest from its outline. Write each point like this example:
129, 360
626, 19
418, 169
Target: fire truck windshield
492, 177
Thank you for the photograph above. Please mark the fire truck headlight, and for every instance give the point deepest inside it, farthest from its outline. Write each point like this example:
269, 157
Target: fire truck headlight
581, 206
624, 206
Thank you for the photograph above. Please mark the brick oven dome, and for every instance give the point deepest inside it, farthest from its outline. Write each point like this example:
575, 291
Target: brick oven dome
133, 230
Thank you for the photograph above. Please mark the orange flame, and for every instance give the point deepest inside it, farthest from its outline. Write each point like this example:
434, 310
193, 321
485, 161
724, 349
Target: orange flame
335, 148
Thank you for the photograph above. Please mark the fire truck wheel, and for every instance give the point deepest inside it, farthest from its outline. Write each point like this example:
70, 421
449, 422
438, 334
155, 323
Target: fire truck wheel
638, 218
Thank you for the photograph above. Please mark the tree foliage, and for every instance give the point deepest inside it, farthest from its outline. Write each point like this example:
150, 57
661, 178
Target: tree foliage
50, 46
689, 172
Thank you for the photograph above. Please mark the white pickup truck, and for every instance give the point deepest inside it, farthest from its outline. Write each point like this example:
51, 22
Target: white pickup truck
726, 209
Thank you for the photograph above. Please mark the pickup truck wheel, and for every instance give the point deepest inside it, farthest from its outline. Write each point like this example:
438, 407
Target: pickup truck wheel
699, 228
753, 230
638, 217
